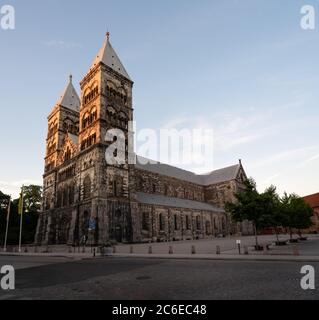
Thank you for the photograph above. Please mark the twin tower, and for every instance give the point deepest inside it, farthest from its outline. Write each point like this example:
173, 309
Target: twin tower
76, 178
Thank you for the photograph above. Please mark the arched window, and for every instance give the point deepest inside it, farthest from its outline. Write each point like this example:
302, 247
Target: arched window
145, 221
87, 188
198, 223
67, 155
161, 222
208, 228
71, 194
85, 120
188, 223
176, 225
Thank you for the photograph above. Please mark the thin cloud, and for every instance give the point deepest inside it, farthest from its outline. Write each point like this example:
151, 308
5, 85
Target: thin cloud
288, 154
308, 161
62, 44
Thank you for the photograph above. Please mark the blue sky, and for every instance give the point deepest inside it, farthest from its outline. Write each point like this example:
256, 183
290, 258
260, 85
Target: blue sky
244, 68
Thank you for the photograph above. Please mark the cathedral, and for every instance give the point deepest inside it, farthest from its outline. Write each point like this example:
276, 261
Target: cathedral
85, 197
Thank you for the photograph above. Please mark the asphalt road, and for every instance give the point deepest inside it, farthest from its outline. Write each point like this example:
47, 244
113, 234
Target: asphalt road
148, 279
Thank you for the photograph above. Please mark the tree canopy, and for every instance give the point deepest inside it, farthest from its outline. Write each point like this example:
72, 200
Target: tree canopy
32, 206
267, 209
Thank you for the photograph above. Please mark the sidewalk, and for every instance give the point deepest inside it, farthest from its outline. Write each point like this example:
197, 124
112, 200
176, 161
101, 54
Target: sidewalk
205, 250
222, 257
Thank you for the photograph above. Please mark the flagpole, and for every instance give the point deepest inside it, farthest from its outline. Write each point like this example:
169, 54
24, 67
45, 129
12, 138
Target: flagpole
7, 227
21, 221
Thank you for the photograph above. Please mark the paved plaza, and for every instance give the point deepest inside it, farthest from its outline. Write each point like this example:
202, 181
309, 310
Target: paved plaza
208, 247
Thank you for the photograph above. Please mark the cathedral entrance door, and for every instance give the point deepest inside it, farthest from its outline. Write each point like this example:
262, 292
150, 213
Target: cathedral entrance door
118, 234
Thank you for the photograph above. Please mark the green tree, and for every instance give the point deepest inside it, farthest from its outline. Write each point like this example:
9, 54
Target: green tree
32, 206
251, 206
32, 198
297, 213
272, 207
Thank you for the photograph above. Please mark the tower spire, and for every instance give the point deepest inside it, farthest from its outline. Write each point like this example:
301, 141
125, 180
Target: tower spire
108, 56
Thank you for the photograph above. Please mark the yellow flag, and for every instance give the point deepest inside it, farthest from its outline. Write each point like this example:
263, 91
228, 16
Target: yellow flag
21, 203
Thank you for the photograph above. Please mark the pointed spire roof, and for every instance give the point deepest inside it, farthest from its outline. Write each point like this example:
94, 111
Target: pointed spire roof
108, 56
70, 99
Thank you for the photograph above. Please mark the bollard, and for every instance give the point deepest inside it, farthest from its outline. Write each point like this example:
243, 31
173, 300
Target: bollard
246, 250
26, 250
218, 250
295, 250
150, 250
238, 242
131, 249
94, 253
193, 250
171, 250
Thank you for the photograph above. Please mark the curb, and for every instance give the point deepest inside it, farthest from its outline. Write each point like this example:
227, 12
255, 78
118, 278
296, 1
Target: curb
252, 258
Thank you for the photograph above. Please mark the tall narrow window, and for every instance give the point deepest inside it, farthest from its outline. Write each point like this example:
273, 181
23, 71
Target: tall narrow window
145, 221
87, 188
176, 222
188, 225
198, 223
161, 222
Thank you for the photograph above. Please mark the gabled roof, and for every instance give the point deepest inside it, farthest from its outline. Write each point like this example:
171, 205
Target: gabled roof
156, 199
167, 170
108, 56
221, 175
312, 200
70, 99
217, 176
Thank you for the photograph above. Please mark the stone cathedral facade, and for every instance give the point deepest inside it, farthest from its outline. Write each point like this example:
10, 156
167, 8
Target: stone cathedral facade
127, 203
